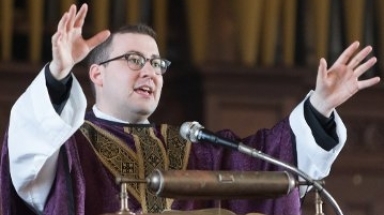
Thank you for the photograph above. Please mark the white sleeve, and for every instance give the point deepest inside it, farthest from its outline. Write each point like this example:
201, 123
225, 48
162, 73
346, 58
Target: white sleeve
36, 133
311, 158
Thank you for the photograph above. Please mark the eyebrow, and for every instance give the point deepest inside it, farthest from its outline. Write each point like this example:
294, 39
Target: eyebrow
142, 54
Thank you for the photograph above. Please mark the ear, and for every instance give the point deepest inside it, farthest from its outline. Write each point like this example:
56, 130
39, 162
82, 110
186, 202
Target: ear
96, 73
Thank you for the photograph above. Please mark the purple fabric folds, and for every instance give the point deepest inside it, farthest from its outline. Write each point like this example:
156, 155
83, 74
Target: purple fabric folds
83, 186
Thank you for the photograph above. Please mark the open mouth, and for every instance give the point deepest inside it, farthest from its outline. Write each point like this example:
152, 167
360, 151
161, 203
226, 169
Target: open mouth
144, 90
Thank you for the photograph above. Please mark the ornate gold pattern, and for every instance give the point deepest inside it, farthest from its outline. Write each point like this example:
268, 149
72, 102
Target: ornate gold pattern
164, 150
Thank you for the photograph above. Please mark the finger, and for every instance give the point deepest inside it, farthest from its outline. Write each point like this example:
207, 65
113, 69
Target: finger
97, 39
62, 22
347, 53
322, 71
55, 39
368, 83
80, 16
71, 17
356, 60
365, 66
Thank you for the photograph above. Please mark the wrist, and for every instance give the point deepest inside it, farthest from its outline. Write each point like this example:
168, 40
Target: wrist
321, 105
58, 72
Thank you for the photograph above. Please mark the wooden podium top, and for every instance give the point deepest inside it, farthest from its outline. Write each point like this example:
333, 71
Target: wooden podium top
210, 211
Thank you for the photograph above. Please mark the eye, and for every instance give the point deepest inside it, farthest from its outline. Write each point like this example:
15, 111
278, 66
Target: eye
135, 59
158, 63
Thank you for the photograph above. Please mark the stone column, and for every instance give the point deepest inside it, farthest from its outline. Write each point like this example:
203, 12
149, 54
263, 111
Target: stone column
289, 31
379, 23
272, 11
160, 23
65, 4
198, 26
248, 19
100, 14
133, 11
321, 13
35, 12
354, 20
6, 29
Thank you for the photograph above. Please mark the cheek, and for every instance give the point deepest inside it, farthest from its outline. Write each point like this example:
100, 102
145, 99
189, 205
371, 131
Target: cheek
159, 85
119, 84
123, 78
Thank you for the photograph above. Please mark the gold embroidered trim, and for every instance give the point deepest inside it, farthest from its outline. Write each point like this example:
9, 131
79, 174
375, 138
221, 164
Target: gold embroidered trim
175, 145
152, 155
170, 152
116, 156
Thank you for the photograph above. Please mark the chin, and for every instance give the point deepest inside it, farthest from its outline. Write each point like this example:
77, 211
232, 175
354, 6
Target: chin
146, 112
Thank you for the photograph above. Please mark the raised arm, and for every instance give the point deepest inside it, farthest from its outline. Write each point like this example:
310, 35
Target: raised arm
334, 86
36, 130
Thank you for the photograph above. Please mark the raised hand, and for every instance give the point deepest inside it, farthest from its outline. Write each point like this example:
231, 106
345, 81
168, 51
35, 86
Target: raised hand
68, 45
337, 84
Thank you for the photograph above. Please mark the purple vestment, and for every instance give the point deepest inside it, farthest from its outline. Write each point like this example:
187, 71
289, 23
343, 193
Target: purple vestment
83, 185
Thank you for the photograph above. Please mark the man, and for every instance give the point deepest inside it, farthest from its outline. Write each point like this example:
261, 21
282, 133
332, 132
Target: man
60, 163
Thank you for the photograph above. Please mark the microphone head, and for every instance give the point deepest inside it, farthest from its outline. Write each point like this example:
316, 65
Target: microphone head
190, 130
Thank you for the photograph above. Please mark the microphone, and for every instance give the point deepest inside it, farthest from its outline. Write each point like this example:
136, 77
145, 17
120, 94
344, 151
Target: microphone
195, 132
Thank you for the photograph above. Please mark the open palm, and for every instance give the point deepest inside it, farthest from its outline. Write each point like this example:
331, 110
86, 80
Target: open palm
339, 83
68, 45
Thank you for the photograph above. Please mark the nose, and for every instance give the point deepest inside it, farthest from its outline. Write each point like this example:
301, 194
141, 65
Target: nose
147, 69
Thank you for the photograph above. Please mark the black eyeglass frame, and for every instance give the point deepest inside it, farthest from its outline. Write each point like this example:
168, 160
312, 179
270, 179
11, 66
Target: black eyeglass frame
126, 56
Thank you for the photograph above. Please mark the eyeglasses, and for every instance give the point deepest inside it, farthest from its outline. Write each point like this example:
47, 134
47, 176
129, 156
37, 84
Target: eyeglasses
136, 61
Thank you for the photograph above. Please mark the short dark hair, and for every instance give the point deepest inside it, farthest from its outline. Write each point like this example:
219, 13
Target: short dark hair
101, 52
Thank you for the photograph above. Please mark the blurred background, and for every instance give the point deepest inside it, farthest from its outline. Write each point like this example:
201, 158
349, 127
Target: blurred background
238, 64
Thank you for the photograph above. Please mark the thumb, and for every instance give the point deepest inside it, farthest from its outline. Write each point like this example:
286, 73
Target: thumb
98, 39
322, 70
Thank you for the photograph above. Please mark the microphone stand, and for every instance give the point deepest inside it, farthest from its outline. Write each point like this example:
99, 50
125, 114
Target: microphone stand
319, 188
123, 195
318, 203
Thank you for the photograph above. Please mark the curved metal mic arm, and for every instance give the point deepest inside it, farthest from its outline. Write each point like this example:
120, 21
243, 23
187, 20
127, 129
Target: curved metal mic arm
321, 190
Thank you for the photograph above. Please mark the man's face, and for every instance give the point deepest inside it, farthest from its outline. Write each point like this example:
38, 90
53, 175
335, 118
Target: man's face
130, 95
